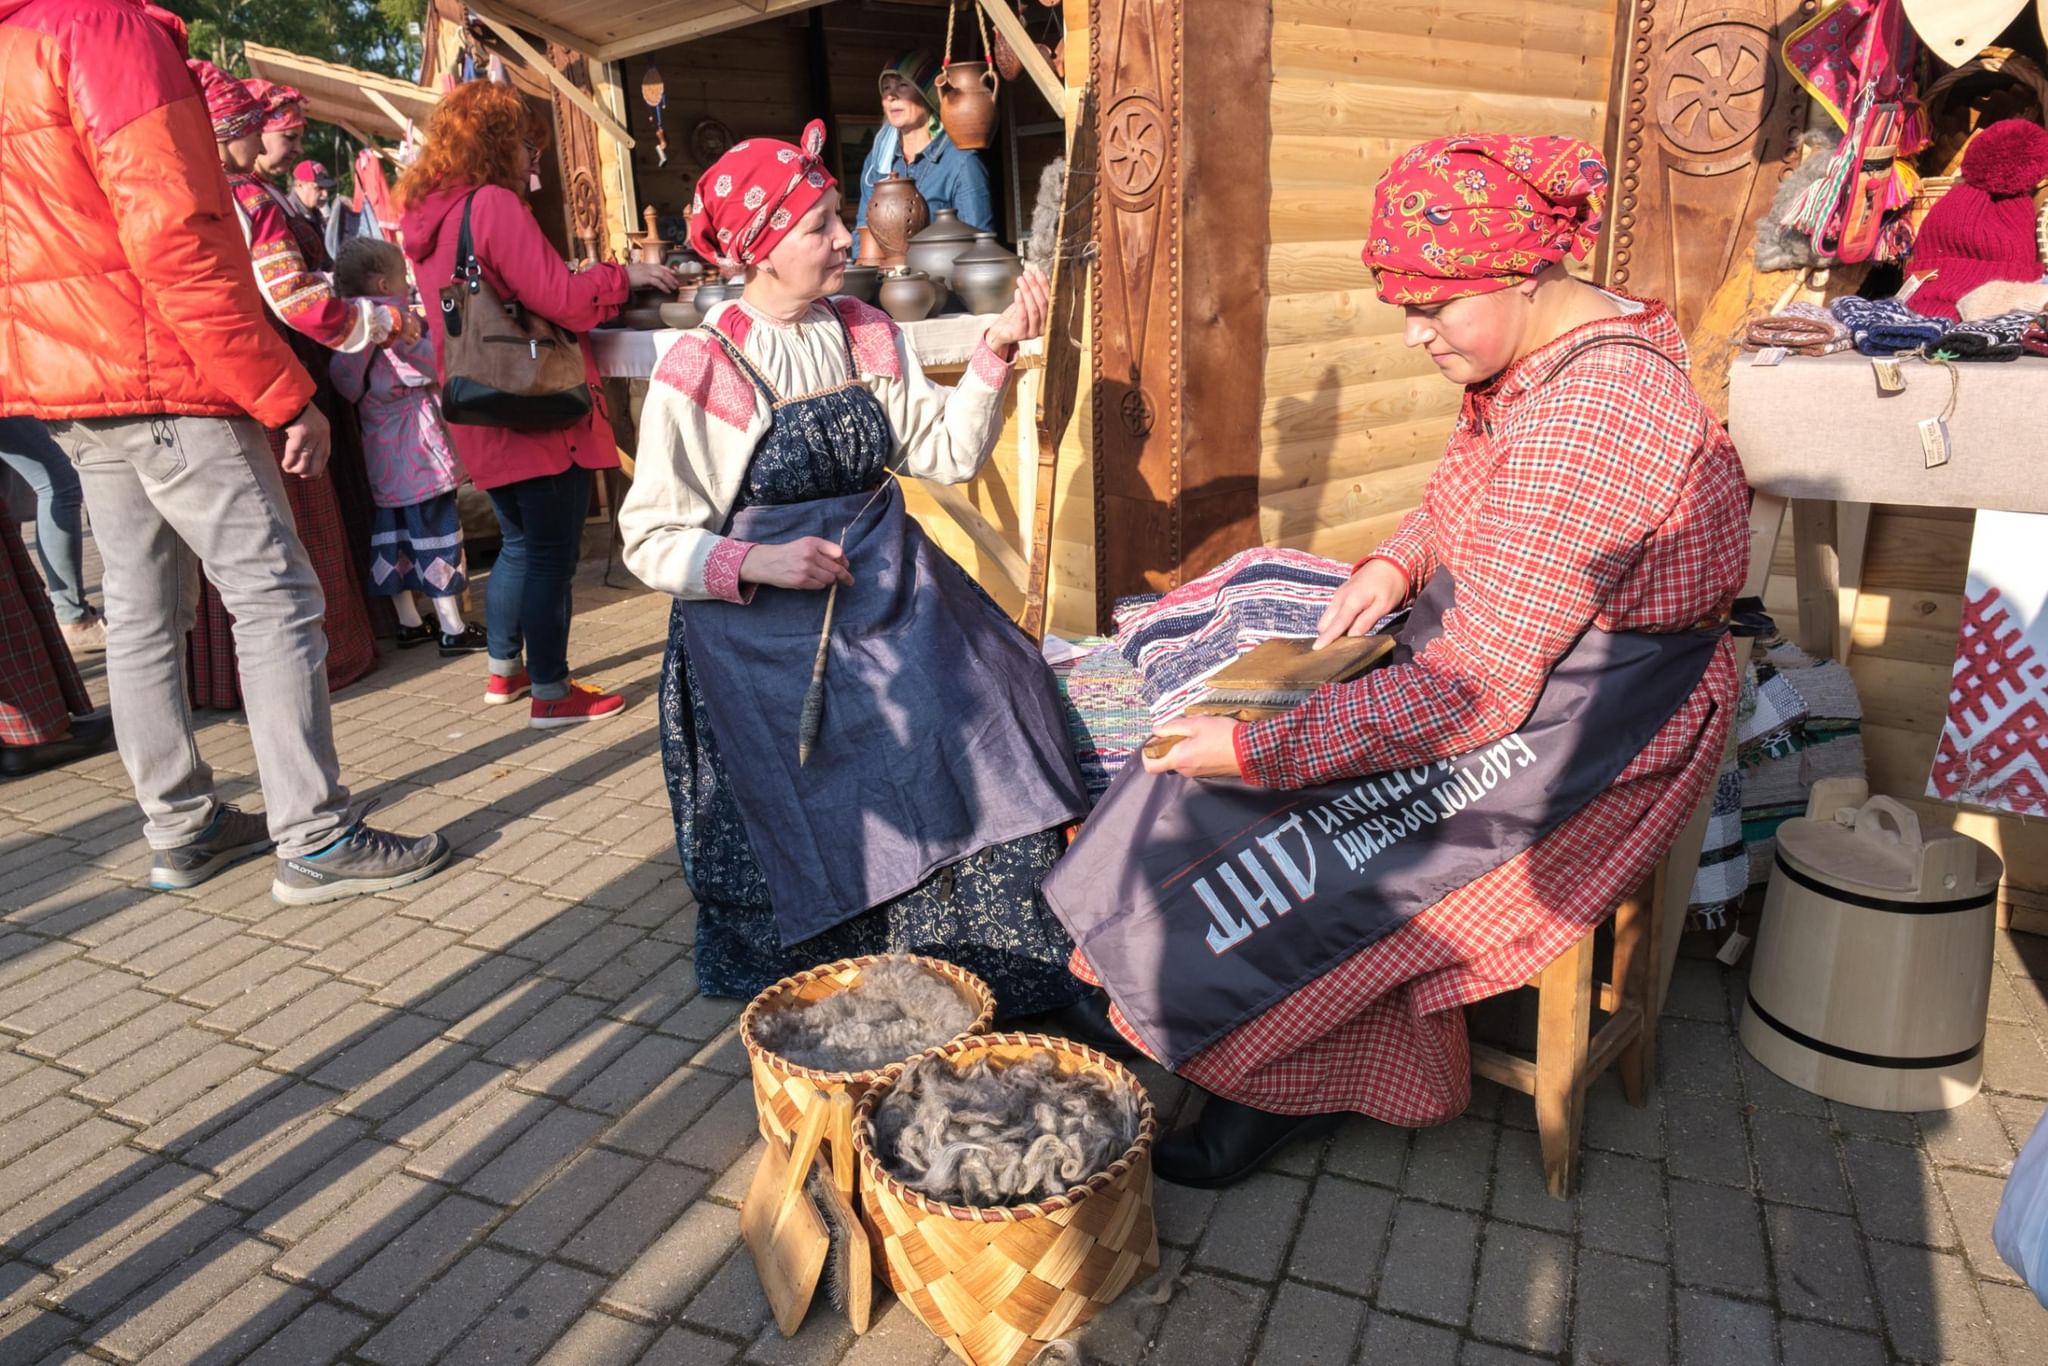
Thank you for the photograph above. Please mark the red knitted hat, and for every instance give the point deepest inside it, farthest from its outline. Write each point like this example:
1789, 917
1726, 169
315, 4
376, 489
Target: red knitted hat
1983, 229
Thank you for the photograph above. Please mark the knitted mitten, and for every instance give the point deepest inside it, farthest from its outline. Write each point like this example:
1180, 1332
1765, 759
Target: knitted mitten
1996, 338
1884, 327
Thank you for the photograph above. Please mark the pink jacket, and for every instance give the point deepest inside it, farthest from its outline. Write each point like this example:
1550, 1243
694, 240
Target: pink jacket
521, 265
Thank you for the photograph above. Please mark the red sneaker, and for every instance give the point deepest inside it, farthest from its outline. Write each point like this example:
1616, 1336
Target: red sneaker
582, 704
505, 688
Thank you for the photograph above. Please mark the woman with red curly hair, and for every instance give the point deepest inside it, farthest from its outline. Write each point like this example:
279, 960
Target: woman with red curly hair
483, 148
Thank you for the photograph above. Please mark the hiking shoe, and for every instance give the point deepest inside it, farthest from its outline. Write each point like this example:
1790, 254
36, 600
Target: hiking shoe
409, 636
505, 688
468, 641
582, 704
363, 860
85, 637
231, 836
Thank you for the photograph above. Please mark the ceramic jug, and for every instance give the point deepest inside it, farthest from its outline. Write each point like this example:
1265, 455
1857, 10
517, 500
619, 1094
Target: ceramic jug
967, 104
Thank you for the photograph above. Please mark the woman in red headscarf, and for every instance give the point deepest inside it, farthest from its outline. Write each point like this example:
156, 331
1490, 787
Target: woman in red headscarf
1568, 571
921, 805
287, 262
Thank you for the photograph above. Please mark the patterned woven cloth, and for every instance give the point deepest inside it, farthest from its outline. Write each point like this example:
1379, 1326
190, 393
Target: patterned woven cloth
1600, 495
1885, 327
1178, 640
40, 689
1107, 714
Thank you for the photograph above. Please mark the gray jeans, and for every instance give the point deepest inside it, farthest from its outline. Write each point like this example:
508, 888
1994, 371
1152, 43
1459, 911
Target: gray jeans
161, 491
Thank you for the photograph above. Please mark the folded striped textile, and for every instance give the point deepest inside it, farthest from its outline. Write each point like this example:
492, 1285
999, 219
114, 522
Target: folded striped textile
1885, 327
1177, 641
1999, 338
1803, 329
1108, 716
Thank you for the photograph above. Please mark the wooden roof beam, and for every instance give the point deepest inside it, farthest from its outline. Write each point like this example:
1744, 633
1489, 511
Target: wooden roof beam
538, 60
735, 14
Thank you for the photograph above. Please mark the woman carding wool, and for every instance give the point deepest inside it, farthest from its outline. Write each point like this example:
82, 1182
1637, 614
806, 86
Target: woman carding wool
1566, 570
305, 310
929, 809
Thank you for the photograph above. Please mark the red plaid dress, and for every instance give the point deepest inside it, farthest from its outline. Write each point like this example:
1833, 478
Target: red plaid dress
1603, 496
40, 689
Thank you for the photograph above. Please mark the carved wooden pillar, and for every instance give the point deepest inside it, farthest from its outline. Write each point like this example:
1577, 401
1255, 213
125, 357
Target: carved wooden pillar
1180, 220
1708, 122
576, 138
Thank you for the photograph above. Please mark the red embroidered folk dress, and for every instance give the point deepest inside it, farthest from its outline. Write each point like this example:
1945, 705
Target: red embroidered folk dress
313, 319
1604, 497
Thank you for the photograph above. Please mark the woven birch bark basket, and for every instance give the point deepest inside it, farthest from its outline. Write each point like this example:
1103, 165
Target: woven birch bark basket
783, 1091
997, 1283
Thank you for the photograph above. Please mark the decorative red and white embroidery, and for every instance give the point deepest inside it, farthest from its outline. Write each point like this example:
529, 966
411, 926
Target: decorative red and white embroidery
1994, 744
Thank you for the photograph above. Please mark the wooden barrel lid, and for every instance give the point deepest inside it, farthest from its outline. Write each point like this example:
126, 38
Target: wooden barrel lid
1872, 846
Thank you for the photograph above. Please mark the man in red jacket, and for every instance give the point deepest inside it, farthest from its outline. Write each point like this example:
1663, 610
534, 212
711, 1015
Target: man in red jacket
130, 323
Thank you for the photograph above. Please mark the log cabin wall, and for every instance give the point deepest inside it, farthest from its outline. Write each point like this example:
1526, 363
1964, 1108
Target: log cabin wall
1351, 422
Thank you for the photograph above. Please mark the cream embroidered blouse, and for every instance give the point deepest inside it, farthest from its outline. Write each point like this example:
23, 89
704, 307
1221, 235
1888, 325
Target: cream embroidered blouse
703, 419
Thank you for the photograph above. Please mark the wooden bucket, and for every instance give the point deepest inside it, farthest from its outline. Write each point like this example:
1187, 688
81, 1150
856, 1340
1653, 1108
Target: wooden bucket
1873, 964
783, 1091
998, 1283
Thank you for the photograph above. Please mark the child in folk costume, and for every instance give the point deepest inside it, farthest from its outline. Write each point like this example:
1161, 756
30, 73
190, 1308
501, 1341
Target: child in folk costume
416, 538
1565, 673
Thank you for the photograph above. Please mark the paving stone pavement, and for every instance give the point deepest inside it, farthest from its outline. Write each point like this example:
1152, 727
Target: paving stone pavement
488, 1119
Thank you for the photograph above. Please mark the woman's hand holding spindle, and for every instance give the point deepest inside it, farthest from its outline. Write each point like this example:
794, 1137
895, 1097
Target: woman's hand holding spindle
807, 562
1025, 317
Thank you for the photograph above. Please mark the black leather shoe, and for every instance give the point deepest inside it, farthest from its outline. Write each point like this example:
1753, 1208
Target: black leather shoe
1229, 1142
468, 641
409, 636
1087, 1021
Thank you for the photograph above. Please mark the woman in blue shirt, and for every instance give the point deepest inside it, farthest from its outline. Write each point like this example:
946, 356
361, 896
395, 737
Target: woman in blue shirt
913, 143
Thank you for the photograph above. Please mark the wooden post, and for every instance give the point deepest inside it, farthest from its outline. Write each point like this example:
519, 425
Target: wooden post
1184, 138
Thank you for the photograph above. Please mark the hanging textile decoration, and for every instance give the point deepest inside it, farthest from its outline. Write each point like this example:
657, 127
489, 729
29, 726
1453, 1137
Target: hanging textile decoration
1856, 58
655, 93
1994, 746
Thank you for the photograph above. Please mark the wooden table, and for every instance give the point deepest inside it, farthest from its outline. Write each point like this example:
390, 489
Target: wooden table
1816, 432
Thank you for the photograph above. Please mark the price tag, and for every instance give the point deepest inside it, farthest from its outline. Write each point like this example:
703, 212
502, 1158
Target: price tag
1770, 355
1912, 285
1891, 377
1732, 947
1934, 441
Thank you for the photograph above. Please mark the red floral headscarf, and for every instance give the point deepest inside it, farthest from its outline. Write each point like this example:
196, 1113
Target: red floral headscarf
754, 194
1479, 212
284, 108
233, 111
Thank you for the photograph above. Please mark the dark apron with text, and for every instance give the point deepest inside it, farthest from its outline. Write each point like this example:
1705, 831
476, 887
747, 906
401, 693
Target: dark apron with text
943, 730
1201, 904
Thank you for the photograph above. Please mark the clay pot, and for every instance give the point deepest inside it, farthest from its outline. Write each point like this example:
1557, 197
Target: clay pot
910, 297
712, 293
1007, 60
932, 251
896, 213
985, 275
967, 105
649, 248
862, 282
683, 313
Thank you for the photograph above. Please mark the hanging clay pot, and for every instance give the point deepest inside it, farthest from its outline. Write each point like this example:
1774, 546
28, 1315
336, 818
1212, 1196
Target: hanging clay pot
932, 251
910, 297
985, 275
967, 104
1007, 60
896, 213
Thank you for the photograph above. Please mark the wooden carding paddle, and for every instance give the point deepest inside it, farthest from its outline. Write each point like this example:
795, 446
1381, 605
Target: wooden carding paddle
856, 1272
782, 1227
1279, 674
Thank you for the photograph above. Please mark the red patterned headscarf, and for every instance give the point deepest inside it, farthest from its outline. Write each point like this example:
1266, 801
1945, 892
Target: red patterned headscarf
754, 194
233, 110
284, 108
1479, 212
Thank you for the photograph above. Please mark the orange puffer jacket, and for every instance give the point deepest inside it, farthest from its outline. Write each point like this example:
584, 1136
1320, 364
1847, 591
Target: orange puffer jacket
120, 258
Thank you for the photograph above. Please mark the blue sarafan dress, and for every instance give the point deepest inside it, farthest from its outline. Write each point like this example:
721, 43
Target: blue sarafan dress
749, 834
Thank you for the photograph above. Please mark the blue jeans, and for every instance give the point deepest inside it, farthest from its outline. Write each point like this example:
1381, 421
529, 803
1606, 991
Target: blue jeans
527, 601
60, 544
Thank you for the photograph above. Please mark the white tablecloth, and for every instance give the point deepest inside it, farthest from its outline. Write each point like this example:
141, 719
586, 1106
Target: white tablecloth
939, 344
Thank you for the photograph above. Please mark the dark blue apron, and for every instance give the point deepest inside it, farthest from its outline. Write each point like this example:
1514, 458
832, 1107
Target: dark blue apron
1202, 904
943, 730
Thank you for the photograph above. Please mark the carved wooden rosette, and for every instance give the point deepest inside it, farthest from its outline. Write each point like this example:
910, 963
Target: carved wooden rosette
576, 135
1708, 123
1180, 220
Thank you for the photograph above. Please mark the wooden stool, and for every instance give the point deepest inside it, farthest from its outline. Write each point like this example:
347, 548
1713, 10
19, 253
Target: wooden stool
1569, 1054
